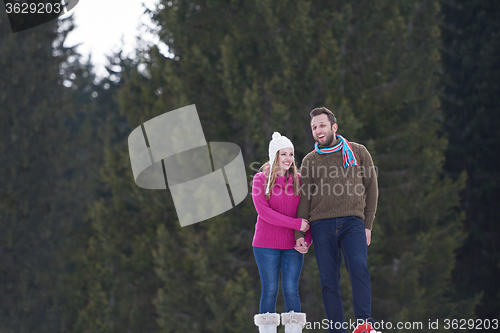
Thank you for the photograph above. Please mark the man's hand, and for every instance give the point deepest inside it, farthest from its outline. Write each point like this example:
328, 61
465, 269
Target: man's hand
304, 226
301, 245
368, 236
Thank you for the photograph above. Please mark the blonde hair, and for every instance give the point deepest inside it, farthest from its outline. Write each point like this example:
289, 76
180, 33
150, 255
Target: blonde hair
271, 175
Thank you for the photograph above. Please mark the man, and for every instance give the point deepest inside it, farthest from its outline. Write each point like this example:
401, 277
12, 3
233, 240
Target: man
339, 197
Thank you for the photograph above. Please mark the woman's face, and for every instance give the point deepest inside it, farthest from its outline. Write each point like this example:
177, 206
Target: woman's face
285, 160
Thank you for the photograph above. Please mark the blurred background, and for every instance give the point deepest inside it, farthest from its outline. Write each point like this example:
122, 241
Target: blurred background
83, 249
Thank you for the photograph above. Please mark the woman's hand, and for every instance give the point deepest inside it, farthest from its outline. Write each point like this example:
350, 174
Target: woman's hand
301, 245
305, 225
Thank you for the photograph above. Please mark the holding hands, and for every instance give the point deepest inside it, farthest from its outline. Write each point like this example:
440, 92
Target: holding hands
305, 225
301, 245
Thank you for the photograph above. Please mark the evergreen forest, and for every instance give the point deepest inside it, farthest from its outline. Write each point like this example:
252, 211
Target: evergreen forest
83, 249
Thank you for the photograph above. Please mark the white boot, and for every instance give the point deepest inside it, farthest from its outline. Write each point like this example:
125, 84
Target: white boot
267, 322
293, 321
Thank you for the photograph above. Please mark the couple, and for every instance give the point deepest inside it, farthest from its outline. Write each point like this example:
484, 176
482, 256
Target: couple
331, 202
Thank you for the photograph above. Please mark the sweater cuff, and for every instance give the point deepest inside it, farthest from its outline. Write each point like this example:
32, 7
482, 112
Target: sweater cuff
369, 222
299, 225
299, 234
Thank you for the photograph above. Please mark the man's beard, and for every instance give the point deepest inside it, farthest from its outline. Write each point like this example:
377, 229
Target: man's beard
329, 140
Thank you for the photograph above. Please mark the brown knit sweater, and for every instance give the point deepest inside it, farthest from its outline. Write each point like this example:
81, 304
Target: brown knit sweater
329, 190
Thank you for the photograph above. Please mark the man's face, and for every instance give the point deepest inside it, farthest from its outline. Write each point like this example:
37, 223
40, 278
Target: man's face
323, 132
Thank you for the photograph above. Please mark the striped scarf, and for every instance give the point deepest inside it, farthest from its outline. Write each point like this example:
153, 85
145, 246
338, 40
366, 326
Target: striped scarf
347, 153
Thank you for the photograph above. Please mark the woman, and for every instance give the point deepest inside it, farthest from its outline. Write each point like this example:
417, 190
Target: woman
275, 194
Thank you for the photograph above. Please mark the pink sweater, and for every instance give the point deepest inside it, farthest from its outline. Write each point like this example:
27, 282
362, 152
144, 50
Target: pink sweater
277, 219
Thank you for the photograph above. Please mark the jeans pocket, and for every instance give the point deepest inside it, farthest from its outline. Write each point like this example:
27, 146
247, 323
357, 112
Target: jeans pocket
312, 223
358, 219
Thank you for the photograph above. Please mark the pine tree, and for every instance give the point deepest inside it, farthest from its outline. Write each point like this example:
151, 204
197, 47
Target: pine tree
107, 268
471, 118
95, 127
50, 148
37, 203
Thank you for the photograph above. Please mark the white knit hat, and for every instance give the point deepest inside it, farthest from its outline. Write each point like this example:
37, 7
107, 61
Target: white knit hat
278, 142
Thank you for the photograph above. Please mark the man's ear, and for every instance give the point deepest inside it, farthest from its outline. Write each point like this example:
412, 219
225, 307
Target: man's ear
335, 127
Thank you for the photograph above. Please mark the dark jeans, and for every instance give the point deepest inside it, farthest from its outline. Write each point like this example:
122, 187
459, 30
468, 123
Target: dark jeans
330, 238
270, 262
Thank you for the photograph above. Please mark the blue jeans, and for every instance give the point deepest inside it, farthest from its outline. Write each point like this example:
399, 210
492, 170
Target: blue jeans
270, 262
330, 238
